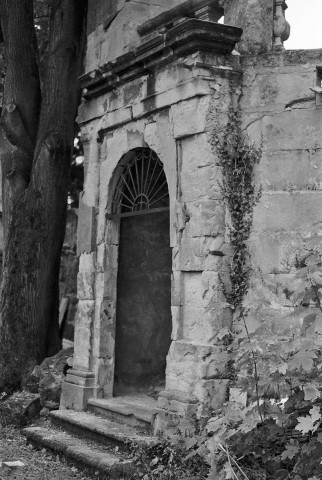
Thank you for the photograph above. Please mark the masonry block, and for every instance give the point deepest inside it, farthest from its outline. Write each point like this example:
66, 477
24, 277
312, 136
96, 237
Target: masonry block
290, 171
86, 228
177, 323
83, 347
190, 117
85, 285
297, 129
288, 212
187, 362
212, 394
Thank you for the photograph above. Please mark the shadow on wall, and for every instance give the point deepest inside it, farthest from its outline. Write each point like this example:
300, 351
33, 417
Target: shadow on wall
68, 280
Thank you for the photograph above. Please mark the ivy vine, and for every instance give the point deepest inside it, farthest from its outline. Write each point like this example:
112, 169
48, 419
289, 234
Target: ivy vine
238, 157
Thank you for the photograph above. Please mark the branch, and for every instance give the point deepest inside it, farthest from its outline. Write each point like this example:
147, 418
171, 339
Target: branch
230, 457
255, 368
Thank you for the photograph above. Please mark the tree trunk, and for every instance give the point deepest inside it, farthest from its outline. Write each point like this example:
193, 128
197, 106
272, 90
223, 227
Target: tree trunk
38, 135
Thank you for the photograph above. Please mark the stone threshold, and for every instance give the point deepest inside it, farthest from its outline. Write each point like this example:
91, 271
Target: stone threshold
99, 429
135, 410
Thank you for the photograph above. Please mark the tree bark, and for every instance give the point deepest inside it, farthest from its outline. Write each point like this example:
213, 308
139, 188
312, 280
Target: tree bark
37, 131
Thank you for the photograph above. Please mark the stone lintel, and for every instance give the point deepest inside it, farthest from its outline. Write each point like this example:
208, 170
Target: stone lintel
189, 36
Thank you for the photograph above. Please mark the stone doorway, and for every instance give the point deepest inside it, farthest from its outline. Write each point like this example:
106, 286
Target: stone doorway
143, 311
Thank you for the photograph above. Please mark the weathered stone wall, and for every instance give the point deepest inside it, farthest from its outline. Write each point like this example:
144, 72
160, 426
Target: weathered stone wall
179, 108
112, 27
256, 18
173, 111
279, 109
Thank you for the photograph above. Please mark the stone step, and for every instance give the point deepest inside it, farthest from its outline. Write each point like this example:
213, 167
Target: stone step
83, 454
99, 429
134, 410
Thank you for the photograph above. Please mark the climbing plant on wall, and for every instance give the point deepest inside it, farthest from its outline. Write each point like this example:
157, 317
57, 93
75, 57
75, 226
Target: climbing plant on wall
238, 158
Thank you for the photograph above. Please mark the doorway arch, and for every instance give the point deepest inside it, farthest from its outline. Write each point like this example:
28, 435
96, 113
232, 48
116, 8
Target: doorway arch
143, 306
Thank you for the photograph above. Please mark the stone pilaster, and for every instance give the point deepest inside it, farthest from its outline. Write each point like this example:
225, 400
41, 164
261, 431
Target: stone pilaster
256, 18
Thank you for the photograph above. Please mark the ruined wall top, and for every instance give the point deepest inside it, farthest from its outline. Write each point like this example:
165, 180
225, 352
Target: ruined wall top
263, 22
102, 11
123, 27
112, 26
179, 32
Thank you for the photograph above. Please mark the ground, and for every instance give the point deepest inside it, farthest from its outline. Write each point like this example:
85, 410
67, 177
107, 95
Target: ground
38, 465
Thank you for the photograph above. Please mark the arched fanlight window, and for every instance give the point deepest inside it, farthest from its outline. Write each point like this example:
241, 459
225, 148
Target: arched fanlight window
142, 185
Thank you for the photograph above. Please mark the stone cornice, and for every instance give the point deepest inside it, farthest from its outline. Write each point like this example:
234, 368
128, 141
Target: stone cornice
184, 38
190, 9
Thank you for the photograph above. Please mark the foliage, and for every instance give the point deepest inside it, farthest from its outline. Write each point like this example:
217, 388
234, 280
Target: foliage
238, 159
278, 434
169, 460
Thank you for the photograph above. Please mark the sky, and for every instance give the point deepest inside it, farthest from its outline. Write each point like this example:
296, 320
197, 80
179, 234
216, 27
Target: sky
305, 18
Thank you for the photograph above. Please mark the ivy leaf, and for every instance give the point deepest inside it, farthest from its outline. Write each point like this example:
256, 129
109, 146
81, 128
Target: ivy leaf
309, 423
311, 392
277, 366
302, 359
250, 423
290, 452
282, 420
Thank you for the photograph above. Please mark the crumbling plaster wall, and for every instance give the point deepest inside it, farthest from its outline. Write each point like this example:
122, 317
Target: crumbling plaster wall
278, 108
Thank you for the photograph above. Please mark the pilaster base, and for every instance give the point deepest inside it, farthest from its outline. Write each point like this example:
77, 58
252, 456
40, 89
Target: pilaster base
78, 387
